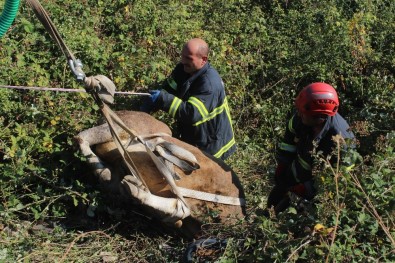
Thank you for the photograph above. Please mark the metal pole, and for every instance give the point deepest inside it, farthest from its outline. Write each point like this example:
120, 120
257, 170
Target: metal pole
70, 90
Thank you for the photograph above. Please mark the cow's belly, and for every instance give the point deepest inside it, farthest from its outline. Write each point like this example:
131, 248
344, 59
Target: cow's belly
211, 177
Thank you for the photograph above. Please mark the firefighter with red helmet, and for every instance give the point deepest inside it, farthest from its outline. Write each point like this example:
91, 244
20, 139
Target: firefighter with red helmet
310, 129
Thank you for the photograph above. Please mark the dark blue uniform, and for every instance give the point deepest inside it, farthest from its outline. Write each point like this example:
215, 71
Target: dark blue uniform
298, 143
199, 105
295, 155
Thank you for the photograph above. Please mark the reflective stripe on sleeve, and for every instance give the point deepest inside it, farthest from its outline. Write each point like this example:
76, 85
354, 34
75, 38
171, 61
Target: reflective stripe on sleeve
199, 106
204, 112
290, 126
174, 106
304, 164
210, 116
225, 148
228, 113
172, 83
206, 116
287, 147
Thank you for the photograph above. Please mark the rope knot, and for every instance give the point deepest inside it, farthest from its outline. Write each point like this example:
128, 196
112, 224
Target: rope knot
101, 85
91, 84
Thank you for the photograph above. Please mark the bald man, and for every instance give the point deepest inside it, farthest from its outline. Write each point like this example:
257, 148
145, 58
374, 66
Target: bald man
194, 95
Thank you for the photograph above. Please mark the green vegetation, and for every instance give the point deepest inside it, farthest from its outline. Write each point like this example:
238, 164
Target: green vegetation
266, 51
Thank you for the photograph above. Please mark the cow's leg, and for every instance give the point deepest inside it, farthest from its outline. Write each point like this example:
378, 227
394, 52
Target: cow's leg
88, 138
170, 210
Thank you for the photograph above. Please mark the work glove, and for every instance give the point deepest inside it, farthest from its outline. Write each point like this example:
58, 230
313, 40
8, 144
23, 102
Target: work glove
149, 104
305, 190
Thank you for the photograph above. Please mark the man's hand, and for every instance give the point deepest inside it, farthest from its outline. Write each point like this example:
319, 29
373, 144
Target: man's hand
305, 190
149, 104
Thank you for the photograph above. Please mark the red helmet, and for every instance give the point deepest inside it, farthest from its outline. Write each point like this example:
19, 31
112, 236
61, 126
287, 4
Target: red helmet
317, 98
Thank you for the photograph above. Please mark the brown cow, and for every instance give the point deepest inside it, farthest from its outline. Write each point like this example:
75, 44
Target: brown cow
208, 187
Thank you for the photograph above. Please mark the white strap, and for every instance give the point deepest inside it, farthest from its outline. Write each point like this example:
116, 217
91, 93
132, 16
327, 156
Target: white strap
228, 200
179, 156
166, 173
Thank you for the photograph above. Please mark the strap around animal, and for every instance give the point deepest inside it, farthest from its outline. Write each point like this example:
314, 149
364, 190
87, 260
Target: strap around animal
178, 191
110, 116
187, 162
177, 155
221, 199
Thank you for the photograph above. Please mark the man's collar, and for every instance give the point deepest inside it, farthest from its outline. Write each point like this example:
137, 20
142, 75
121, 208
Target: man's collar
199, 72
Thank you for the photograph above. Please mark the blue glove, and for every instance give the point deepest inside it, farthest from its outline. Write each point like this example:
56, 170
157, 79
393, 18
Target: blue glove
149, 103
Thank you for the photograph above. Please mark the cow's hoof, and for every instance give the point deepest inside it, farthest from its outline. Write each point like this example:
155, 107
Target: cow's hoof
178, 224
133, 180
104, 175
130, 187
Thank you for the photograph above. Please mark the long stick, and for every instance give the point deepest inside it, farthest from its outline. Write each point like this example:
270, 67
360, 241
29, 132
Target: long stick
69, 90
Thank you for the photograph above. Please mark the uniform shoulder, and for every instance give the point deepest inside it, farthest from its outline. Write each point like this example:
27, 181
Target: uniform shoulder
211, 80
341, 126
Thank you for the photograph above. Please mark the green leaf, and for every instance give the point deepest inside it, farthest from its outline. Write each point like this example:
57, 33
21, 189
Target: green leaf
361, 218
292, 210
75, 201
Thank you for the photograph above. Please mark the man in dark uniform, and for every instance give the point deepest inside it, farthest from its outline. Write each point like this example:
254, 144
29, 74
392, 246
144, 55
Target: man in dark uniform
310, 129
194, 95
